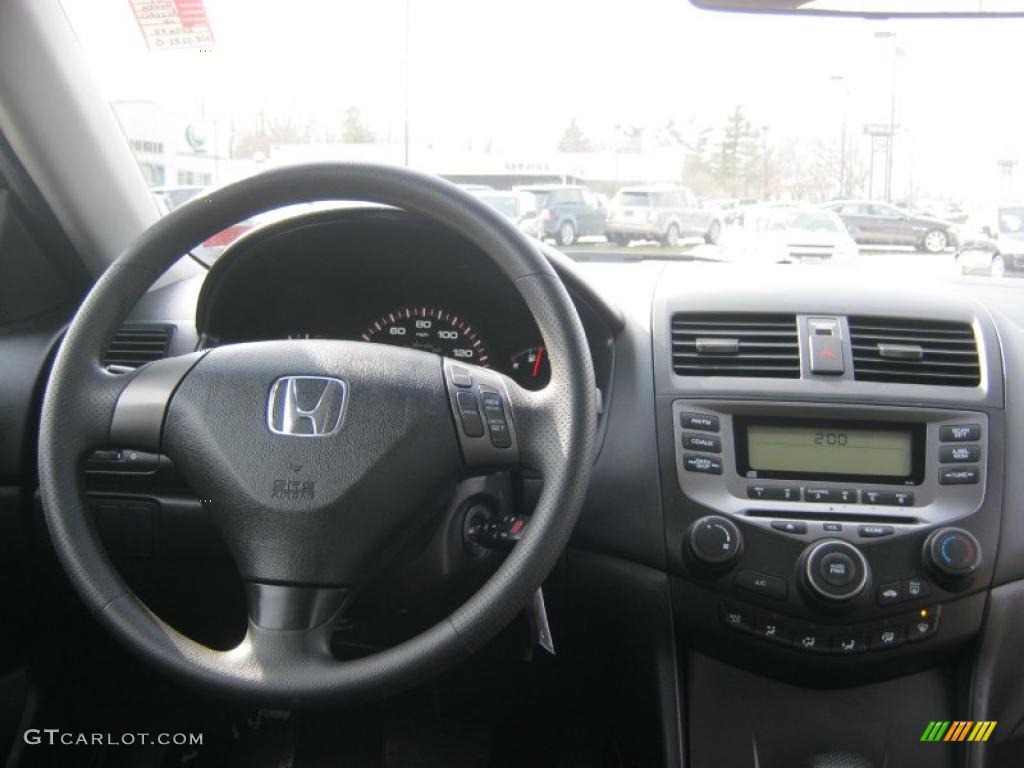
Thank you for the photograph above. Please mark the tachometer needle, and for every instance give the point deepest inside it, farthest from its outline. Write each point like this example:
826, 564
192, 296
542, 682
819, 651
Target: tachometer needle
536, 363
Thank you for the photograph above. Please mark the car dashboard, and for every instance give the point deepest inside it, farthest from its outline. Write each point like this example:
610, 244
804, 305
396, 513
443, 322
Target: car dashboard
800, 482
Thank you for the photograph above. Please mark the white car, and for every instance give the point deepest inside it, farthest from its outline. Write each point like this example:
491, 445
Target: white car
791, 234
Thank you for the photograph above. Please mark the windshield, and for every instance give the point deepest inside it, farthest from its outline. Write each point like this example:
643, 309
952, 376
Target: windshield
881, 119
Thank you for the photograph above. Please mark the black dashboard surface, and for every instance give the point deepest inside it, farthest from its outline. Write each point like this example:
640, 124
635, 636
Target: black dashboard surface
371, 275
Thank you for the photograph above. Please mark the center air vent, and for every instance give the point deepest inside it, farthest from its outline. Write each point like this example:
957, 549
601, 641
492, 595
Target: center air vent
136, 344
912, 351
735, 344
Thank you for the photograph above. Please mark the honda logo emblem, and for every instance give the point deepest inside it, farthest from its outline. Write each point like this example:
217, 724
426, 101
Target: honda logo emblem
306, 406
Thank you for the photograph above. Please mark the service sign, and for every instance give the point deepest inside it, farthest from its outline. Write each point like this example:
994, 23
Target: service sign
173, 24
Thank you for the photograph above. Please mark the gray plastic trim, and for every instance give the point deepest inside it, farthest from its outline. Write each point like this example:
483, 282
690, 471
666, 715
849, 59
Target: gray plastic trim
138, 419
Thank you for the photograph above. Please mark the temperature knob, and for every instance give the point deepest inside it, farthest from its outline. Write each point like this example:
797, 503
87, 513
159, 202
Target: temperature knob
714, 541
953, 554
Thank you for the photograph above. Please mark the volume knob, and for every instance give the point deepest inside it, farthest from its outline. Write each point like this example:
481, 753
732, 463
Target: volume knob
714, 541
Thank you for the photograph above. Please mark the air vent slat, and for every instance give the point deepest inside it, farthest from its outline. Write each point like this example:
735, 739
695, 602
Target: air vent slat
948, 351
766, 346
135, 345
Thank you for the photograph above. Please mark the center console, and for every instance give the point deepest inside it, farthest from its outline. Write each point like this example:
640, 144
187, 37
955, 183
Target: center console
830, 499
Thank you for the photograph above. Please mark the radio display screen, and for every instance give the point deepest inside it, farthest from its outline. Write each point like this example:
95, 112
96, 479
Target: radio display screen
830, 450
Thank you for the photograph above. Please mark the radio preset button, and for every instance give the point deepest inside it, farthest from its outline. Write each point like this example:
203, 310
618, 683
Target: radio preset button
702, 422
705, 464
960, 433
774, 492
959, 454
831, 495
960, 476
889, 498
707, 443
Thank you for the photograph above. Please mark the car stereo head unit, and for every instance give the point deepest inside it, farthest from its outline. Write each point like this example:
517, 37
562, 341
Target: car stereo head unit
774, 461
827, 449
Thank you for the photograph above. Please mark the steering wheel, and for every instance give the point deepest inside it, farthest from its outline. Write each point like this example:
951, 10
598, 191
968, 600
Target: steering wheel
317, 456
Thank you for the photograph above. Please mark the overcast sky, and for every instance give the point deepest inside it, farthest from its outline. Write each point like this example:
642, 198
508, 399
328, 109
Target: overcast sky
515, 73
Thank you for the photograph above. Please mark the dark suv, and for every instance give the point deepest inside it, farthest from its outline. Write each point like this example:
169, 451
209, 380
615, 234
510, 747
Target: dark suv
562, 212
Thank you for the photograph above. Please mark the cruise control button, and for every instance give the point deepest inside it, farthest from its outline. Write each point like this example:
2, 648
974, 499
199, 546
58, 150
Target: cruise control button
469, 414
960, 433
763, 584
890, 594
959, 454
706, 443
887, 637
790, 526
774, 492
838, 569
706, 464
494, 414
699, 421
848, 644
461, 377
961, 476
737, 618
875, 531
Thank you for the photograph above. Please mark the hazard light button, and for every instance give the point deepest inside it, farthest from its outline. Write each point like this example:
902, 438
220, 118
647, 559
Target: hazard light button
827, 355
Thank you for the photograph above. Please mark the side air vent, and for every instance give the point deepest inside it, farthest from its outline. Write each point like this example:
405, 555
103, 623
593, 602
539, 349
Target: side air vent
134, 345
736, 344
911, 351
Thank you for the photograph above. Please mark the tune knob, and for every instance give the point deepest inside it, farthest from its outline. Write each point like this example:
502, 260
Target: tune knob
952, 554
714, 541
834, 571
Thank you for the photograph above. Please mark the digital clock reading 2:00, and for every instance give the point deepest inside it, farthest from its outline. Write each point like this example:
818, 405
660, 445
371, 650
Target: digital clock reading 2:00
829, 450
433, 330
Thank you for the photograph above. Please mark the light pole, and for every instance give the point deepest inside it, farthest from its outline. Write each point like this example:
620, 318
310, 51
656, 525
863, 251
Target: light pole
764, 161
896, 53
843, 83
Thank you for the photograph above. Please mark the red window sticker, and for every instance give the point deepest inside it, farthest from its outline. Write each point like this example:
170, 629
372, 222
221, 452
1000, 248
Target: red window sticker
172, 24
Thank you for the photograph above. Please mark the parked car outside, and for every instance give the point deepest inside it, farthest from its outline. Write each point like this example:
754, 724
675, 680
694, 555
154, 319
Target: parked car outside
792, 234
875, 223
505, 202
660, 213
171, 197
993, 241
562, 212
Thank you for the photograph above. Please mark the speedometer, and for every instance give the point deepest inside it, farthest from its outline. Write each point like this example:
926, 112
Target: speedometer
433, 330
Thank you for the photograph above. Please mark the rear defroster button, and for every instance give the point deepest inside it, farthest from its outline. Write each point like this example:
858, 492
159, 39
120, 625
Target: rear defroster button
469, 414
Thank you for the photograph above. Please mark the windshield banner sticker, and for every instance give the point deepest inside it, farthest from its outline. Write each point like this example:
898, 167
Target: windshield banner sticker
173, 24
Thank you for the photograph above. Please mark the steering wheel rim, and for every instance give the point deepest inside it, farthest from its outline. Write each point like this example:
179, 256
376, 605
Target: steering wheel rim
554, 429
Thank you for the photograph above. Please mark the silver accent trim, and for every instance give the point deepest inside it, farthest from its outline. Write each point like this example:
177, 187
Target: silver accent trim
285, 416
863, 571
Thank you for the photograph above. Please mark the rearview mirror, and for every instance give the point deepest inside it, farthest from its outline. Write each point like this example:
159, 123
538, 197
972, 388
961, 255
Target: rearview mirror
871, 8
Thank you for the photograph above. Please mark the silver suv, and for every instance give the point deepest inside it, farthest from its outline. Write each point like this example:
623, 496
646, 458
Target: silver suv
665, 214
